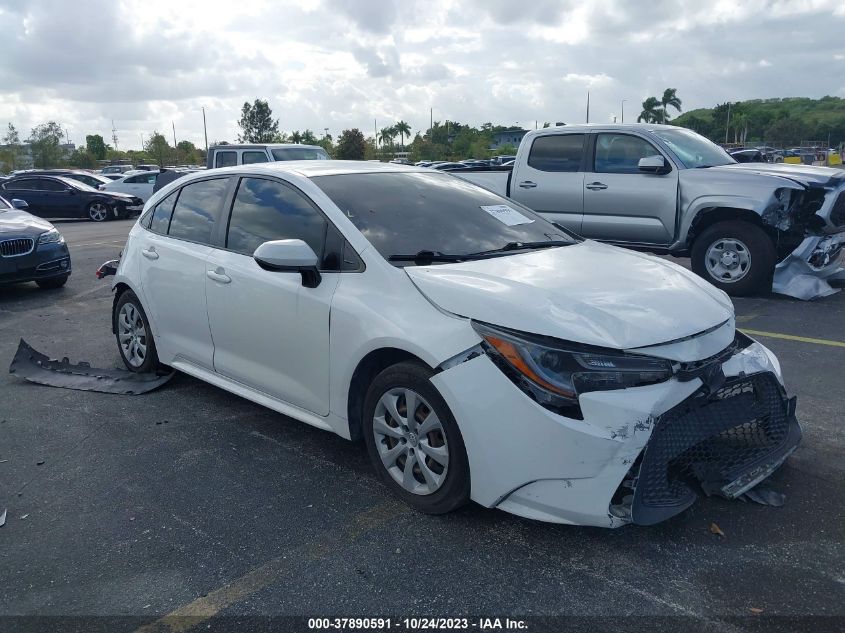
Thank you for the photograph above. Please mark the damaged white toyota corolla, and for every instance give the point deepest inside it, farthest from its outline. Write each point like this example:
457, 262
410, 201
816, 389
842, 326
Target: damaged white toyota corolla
481, 352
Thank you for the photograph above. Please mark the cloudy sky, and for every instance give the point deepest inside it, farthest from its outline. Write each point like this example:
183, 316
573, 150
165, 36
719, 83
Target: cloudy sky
343, 63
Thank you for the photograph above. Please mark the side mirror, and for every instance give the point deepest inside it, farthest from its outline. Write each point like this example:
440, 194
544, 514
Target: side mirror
70, 190
653, 165
17, 203
290, 256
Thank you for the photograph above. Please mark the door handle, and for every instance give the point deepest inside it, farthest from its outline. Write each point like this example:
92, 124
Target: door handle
149, 253
527, 184
218, 275
596, 186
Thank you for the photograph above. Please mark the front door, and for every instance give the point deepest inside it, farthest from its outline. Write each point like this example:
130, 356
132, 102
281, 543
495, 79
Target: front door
623, 204
270, 332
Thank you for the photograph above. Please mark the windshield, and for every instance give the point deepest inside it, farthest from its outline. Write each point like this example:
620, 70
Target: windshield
300, 153
70, 182
404, 213
5, 205
692, 149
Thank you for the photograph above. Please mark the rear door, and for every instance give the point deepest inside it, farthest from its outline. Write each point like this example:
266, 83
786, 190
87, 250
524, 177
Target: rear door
270, 332
58, 199
623, 204
174, 249
26, 189
551, 180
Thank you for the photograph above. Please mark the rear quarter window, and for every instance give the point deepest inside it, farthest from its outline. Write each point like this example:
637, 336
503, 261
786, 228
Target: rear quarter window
197, 210
558, 152
225, 159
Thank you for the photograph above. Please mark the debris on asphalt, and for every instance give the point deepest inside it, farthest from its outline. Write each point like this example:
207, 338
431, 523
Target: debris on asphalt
41, 463
3, 518
764, 496
755, 610
36, 367
715, 529
24, 516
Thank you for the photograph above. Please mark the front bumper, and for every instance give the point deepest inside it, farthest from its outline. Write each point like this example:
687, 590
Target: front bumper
531, 462
806, 272
44, 262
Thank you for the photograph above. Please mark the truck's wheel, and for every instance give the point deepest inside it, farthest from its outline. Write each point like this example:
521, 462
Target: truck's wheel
735, 256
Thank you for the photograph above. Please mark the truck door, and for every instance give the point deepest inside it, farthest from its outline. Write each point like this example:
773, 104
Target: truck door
623, 204
551, 180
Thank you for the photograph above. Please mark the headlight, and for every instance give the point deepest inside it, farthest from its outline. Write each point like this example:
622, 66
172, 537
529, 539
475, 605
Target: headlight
51, 237
556, 373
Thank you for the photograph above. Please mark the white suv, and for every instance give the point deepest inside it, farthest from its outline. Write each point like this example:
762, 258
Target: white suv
480, 351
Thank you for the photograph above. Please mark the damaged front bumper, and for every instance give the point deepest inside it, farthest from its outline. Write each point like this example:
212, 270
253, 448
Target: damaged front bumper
807, 271
640, 455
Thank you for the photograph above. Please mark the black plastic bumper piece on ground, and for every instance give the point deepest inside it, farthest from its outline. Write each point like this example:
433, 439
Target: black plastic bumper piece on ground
34, 366
722, 444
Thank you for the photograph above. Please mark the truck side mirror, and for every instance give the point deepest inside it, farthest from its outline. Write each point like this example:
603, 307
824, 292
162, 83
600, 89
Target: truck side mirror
653, 165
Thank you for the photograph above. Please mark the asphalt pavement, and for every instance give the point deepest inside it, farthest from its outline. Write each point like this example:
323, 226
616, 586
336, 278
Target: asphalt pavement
191, 507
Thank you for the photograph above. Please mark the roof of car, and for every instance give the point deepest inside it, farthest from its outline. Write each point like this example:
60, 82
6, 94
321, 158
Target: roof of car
263, 146
311, 168
586, 127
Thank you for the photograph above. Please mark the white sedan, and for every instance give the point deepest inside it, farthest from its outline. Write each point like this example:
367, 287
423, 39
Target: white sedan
139, 183
480, 351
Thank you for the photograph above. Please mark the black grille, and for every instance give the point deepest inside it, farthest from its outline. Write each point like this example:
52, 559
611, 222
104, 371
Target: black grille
718, 443
837, 214
12, 248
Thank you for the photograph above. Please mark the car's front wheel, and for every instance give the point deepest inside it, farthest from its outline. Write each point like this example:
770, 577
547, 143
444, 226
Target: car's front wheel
134, 337
413, 440
98, 211
737, 257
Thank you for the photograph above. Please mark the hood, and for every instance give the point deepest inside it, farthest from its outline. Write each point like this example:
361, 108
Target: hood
588, 293
117, 194
803, 174
17, 222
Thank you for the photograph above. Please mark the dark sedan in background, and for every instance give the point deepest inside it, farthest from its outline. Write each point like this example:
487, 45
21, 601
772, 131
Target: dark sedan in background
31, 249
61, 197
86, 178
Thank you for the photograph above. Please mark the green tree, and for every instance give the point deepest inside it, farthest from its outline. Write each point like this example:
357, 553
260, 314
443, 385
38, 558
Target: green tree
96, 146
351, 145
296, 136
45, 145
158, 148
82, 159
257, 123
651, 111
308, 138
326, 144
10, 154
670, 98
403, 129
386, 136
188, 153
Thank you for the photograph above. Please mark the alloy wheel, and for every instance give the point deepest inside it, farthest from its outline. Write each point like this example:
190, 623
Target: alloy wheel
98, 212
728, 260
132, 335
411, 441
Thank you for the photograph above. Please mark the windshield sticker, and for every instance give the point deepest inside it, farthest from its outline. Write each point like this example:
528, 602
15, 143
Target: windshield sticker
507, 215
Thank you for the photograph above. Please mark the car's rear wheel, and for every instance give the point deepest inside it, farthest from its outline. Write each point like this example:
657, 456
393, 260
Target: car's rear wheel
98, 211
413, 440
53, 282
736, 257
134, 337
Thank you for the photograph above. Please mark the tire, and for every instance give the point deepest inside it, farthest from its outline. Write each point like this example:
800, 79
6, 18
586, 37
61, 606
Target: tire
135, 326
441, 482
747, 258
53, 282
98, 211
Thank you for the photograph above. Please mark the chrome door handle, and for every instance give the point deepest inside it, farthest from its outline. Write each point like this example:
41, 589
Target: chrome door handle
149, 253
527, 184
218, 275
595, 186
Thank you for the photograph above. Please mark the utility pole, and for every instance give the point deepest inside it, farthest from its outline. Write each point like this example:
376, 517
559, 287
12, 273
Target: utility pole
175, 151
728, 124
326, 135
588, 106
623, 110
67, 137
113, 135
431, 125
205, 131
375, 132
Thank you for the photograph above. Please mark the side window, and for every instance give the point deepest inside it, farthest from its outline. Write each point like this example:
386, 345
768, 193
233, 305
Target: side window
225, 159
197, 210
560, 152
621, 153
249, 158
266, 210
27, 184
132, 180
45, 184
150, 179
161, 215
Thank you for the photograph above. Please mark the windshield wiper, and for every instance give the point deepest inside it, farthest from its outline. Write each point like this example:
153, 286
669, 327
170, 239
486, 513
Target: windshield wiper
521, 246
423, 257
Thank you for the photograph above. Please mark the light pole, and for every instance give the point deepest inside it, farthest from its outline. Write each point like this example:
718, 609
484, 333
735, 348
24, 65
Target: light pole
205, 130
623, 110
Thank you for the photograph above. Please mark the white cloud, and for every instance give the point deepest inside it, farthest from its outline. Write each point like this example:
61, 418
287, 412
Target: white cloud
344, 63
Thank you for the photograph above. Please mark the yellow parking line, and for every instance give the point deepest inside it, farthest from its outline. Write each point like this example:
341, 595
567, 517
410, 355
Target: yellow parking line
792, 337
206, 607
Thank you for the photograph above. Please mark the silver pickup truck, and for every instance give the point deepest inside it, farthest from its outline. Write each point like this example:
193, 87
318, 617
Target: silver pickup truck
746, 227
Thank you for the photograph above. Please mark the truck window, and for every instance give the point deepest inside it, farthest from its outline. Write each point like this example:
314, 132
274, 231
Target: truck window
248, 158
621, 153
559, 152
225, 159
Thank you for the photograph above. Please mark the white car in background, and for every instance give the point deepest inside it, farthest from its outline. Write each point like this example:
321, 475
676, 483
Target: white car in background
480, 351
138, 183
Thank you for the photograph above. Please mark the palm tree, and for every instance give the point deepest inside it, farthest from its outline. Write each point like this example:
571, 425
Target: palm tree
403, 129
670, 99
296, 136
387, 135
651, 111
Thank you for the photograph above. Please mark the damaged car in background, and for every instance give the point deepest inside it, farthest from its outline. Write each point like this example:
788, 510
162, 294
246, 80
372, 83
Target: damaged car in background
481, 352
747, 228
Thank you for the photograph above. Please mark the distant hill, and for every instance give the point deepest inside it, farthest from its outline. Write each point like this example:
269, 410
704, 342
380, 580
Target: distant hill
786, 121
